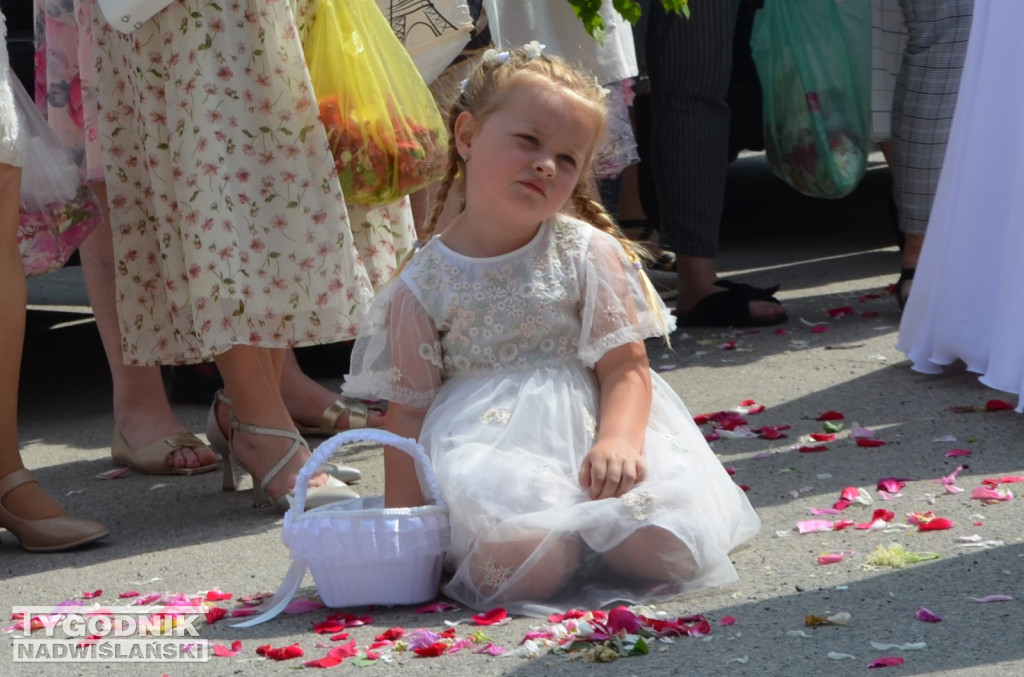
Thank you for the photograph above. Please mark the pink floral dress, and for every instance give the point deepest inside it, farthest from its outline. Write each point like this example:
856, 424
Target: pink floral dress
229, 223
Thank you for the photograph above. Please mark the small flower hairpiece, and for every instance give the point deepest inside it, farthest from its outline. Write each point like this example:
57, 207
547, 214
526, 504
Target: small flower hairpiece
533, 49
493, 56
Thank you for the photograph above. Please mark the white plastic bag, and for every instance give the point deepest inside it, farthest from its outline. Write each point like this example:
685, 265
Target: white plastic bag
58, 210
433, 32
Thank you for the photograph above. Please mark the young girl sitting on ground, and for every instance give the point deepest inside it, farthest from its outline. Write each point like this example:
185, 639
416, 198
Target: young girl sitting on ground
512, 347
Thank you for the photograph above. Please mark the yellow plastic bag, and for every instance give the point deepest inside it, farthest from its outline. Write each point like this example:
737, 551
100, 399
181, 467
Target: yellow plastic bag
384, 128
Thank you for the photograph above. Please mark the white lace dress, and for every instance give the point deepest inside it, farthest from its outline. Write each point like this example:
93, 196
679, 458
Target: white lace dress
502, 352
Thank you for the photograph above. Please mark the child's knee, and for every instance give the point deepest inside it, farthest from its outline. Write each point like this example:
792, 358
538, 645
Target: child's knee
653, 554
528, 568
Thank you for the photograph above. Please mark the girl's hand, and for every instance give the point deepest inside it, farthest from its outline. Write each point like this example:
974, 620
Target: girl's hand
611, 469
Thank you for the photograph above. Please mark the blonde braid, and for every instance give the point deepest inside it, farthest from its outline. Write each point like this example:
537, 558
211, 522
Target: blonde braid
454, 165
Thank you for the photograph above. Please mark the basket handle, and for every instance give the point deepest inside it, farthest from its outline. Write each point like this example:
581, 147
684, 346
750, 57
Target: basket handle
327, 448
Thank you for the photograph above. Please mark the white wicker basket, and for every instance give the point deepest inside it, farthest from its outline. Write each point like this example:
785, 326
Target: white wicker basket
358, 551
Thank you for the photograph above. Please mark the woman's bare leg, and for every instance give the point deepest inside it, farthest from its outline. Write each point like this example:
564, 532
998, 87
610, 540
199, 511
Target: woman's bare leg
142, 411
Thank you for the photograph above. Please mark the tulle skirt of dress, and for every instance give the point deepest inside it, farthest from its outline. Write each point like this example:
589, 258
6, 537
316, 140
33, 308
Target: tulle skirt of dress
507, 451
969, 288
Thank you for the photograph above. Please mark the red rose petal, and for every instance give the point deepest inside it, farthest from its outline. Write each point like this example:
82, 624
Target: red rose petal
868, 442
224, 652
998, 405
435, 649
217, 596
810, 450
936, 524
885, 662
92, 595
830, 416
215, 614
490, 617
823, 437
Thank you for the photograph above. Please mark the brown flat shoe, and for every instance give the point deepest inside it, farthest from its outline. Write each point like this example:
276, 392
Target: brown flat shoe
46, 535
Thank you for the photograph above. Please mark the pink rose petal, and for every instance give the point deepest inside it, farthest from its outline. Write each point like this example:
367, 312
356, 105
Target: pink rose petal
886, 662
991, 598
927, 615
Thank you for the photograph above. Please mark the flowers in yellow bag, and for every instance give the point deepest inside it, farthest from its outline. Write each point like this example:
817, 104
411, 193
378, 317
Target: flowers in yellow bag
383, 126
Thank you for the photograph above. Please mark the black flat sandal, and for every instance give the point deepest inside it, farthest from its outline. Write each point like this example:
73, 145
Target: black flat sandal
731, 307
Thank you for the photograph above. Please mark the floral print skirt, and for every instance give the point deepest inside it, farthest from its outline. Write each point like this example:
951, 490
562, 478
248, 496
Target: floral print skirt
229, 224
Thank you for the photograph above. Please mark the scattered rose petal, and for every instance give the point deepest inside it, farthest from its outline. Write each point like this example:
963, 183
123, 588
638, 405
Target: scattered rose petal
887, 661
112, 474
838, 313
958, 452
491, 617
813, 526
491, 649
823, 437
92, 595
869, 296
301, 606
797, 633
727, 620
991, 598
435, 649
812, 450
832, 557
890, 484
836, 656
909, 646
989, 495
436, 607
859, 431
215, 614
819, 329
841, 618
830, 416
832, 426
998, 405
927, 615
217, 596
282, 653
224, 652
868, 442
741, 660
128, 595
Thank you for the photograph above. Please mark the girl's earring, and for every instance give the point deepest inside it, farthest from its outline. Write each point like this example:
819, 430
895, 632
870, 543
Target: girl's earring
465, 157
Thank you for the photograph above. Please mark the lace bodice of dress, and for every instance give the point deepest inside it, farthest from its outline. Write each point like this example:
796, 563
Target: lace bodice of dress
516, 311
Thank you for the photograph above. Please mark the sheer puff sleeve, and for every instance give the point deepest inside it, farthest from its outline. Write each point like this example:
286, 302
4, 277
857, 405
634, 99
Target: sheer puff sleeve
397, 356
614, 309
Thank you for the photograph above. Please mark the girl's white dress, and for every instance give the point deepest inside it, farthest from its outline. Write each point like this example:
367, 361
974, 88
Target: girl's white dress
502, 351
969, 288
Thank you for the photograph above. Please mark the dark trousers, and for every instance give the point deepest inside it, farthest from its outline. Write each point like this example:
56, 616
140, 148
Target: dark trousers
683, 138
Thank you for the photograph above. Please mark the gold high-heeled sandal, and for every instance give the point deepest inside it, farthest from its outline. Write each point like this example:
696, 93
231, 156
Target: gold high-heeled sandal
333, 490
219, 443
45, 535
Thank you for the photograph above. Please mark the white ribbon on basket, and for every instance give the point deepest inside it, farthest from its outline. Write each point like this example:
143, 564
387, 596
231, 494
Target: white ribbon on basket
297, 571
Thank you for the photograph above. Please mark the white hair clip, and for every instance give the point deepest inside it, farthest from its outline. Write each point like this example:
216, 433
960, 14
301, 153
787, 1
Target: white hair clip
533, 49
463, 85
493, 56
